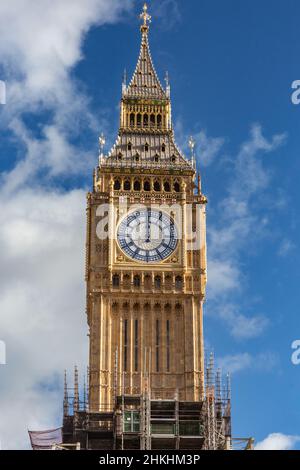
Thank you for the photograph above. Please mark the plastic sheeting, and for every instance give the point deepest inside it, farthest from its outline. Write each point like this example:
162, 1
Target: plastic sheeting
44, 440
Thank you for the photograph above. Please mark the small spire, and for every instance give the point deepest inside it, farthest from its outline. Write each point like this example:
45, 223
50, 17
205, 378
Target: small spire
76, 390
146, 19
168, 88
66, 398
102, 143
192, 144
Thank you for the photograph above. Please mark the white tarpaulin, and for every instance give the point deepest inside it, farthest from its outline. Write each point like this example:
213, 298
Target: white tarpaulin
44, 440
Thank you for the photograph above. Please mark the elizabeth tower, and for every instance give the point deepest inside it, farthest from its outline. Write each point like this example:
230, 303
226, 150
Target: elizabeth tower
145, 253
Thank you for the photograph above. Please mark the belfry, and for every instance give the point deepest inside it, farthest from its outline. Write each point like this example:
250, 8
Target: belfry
149, 386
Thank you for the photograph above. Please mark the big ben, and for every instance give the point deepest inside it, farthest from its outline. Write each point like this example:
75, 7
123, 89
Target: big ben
146, 253
149, 385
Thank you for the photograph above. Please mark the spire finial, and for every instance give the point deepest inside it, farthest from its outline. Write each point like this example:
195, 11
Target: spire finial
192, 144
146, 19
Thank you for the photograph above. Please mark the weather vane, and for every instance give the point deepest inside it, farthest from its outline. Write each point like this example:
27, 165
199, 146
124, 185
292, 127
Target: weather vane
145, 17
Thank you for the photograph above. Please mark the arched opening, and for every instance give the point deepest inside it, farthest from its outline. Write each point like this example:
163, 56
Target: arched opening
173, 159
146, 120
156, 186
120, 156
132, 120
177, 187
146, 147
152, 120
156, 158
147, 186
117, 185
127, 185
116, 280
129, 146
137, 186
159, 120
137, 157
178, 283
137, 281
163, 148
139, 120
157, 282
167, 186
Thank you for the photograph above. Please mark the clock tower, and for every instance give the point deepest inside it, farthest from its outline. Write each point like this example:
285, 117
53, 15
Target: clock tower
145, 253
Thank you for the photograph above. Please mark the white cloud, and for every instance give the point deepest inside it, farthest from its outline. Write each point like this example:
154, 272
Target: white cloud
264, 361
286, 247
42, 305
42, 293
234, 363
208, 147
236, 225
41, 42
278, 441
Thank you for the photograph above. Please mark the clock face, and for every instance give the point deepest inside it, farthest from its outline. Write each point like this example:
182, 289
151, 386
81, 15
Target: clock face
147, 235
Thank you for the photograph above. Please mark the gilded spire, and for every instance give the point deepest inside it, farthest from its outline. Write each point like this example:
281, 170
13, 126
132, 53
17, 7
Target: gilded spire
146, 18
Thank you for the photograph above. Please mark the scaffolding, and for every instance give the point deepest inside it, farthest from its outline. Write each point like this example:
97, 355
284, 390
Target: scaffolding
146, 423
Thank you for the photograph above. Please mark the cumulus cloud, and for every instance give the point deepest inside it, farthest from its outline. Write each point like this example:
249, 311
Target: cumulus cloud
232, 230
278, 441
264, 361
42, 293
42, 306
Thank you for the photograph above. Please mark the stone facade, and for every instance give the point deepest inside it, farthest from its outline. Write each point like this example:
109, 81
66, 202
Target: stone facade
145, 319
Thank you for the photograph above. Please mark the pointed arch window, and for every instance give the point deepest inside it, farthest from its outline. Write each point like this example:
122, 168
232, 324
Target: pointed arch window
178, 283
147, 186
168, 344
146, 147
139, 120
163, 147
116, 280
157, 186
156, 158
117, 185
125, 333
157, 282
137, 281
137, 186
177, 187
167, 186
136, 345
157, 341
146, 120
159, 120
127, 185
129, 146
152, 120
132, 119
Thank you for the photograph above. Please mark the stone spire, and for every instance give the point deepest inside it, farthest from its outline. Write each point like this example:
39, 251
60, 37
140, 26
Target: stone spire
145, 82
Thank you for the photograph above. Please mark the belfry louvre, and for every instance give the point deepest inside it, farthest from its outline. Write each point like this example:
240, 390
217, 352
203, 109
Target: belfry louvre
148, 384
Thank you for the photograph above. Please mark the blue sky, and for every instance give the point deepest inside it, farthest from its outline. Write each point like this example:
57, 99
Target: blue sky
231, 66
